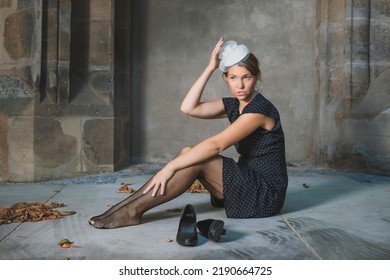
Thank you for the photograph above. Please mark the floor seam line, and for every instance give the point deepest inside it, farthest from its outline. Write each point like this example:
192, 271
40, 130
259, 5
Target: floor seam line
56, 193
11, 232
307, 245
20, 224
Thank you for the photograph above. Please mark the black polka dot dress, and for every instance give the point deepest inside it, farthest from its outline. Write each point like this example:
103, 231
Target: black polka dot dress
255, 186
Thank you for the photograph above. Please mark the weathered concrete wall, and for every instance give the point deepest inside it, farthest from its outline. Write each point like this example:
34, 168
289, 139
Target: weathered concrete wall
172, 45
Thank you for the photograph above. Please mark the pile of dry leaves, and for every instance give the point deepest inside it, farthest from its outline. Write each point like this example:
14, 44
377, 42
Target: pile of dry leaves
32, 212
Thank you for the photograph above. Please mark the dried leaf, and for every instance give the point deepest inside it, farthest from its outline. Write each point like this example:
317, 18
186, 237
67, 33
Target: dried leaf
168, 240
67, 213
125, 189
65, 243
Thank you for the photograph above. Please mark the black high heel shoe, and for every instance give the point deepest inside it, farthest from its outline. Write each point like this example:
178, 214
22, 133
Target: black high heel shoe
186, 233
218, 203
212, 229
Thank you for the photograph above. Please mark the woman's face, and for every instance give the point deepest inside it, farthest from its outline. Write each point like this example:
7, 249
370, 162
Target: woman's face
241, 82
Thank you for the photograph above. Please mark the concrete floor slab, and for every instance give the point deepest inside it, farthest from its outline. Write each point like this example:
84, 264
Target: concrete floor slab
327, 215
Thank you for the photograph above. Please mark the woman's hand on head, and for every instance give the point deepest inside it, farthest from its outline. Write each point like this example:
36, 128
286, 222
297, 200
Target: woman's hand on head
214, 59
159, 181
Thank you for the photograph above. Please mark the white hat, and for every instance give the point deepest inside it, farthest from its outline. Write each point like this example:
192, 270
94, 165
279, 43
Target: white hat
231, 54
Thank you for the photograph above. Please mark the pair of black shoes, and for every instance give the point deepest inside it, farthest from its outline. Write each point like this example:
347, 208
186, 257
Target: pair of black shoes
187, 232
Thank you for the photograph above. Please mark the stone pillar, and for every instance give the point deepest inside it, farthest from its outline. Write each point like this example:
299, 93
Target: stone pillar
358, 49
86, 118
334, 93
122, 82
55, 52
379, 38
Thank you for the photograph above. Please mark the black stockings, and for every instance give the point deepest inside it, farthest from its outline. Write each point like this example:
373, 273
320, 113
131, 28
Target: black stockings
129, 211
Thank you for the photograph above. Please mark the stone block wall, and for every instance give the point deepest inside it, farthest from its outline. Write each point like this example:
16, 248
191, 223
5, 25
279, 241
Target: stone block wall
59, 112
19, 39
354, 85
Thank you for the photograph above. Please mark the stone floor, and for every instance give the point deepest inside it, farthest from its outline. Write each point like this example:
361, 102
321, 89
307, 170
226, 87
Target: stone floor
327, 215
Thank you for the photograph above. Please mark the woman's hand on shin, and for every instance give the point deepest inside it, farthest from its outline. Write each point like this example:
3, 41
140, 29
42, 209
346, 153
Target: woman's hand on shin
159, 181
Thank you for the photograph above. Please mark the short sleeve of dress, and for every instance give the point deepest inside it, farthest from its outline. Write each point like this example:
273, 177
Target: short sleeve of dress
261, 105
230, 105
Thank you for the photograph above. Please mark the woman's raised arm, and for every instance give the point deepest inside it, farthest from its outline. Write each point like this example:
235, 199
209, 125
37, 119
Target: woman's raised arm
192, 104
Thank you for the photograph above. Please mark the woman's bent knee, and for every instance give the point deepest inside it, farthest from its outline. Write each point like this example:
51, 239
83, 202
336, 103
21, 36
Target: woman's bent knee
185, 150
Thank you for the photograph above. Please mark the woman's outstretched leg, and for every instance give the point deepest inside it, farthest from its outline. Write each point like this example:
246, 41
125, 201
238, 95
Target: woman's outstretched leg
130, 198
129, 212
